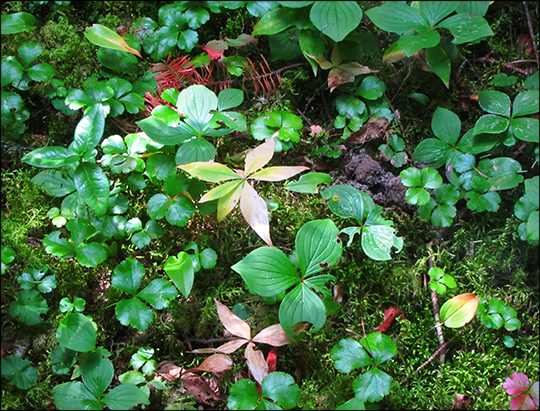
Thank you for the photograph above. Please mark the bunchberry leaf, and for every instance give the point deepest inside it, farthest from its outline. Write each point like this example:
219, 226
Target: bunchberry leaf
495, 102
526, 103
124, 397
77, 333
97, 372
344, 201
317, 243
75, 396
299, 305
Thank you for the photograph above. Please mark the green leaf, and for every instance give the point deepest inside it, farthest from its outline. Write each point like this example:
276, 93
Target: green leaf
91, 255
503, 172
77, 333
317, 245
229, 98
160, 166
179, 211
196, 102
19, 372
503, 80
352, 404
526, 128
159, 293
93, 186
281, 388
336, 19
57, 246
28, 307
526, 103
437, 10
421, 98
17, 23
491, 124
459, 310
275, 21
299, 305
443, 215
135, 313
50, 157
180, 270
267, 271
62, 359
75, 396
349, 355
158, 131
433, 151
439, 62
196, 150
187, 40
41, 72
344, 201
414, 43
417, 195
446, 125
124, 397
97, 372
208, 258
380, 346
127, 276
371, 88
495, 102
397, 18
89, 131
466, 28
29, 52
378, 237
243, 395
307, 183
372, 386
12, 71
105, 37
447, 194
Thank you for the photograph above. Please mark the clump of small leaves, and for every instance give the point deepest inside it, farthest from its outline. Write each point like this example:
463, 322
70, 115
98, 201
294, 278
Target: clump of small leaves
441, 281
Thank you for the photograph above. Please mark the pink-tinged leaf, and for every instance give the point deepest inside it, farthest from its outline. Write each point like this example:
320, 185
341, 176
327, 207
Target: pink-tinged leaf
210, 171
234, 324
260, 156
215, 48
523, 402
459, 310
231, 346
517, 383
278, 173
220, 191
228, 202
255, 211
274, 335
214, 363
534, 393
256, 363
105, 37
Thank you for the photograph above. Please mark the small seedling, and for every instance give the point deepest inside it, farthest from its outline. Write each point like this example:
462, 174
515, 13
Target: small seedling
441, 281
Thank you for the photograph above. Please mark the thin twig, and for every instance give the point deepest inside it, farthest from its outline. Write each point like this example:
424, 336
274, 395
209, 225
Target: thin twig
531, 33
441, 348
210, 340
435, 302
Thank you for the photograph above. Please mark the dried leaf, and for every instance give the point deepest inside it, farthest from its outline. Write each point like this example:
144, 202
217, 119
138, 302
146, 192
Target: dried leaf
234, 324
260, 156
231, 346
255, 211
462, 401
168, 371
345, 73
214, 363
200, 388
256, 363
216, 48
389, 315
278, 173
274, 335
374, 128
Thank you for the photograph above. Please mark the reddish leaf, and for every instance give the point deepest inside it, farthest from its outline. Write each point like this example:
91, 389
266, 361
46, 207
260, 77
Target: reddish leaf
271, 360
345, 73
256, 363
200, 388
255, 211
234, 324
523, 402
242, 40
214, 363
517, 383
215, 48
274, 335
389, 315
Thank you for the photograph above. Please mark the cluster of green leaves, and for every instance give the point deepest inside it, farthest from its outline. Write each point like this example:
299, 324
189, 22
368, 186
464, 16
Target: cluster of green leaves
378, 237
496, 314
30, 304
8, 254
441, 281
283, 125
371, 351
127, 277
394, 151
268, 272
477, 183
419, 25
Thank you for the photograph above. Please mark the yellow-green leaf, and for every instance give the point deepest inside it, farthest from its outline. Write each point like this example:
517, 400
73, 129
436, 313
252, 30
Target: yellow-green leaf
209, 171
228, 202
278, 173
105, 37
260, 156
459, 310
220, 191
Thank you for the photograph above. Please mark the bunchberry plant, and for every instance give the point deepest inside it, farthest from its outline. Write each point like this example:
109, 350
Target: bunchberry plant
268, 272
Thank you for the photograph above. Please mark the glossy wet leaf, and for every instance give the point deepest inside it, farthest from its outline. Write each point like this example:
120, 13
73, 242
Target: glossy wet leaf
74, 396
301, 304
317, 245
308, 183
17, 23
97, 372
459, 310
336, 19
135, 313
349, 355
125, 396
50, 157
243, 395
